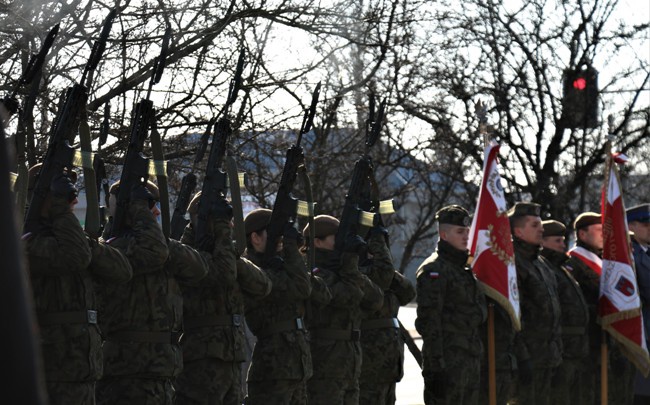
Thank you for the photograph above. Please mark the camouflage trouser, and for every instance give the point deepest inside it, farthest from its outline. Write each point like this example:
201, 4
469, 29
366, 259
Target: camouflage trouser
380, 393
567, 383
209, 382
333, 392
129, 391
538, 392
504, 387
462, 373
281, 392
64, 393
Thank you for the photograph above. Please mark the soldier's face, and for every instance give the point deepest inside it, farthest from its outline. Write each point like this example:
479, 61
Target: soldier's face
532, 231
641, 231
326, 243
556, 243
456, 236
593, 235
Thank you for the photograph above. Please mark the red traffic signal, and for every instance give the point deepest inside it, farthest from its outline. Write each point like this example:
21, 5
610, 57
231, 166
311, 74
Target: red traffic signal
580, 98
580, 83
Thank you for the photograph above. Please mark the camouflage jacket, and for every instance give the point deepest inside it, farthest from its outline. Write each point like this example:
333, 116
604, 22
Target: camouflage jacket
504, 340
589, 282
214, 308
575, 313
143, 318
63, 263
382, 344
340, 358
451, 306
282, 350
540, 338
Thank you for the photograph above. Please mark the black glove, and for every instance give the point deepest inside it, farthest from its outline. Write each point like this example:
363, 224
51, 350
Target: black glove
221, 209
140, 192
274, 263
290, 233
11, 105
354, 244
62, 187
439, 385
206, 244
525, 372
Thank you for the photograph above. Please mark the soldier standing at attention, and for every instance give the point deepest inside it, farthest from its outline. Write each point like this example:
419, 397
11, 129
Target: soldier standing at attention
638, 219
567, 382
143, 318
63, 264
451, 308
335, 327
281, 363
213, 312
538, 345
382, 344
585, 264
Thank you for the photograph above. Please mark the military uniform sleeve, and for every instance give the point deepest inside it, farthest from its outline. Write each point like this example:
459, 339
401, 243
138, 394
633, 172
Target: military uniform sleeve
373, 295
65, 250
320, 293
252, 279
109, 263
521, 348
403, 288
431, 287
345, 287
145, 245
381, 270
186, 263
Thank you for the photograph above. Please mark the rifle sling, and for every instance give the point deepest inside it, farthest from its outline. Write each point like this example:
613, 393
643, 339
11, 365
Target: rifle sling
92, 225
157, 151
310, 218
237, 209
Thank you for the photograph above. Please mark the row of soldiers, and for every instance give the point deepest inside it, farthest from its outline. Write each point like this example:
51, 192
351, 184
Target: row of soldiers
143, 319
555, 358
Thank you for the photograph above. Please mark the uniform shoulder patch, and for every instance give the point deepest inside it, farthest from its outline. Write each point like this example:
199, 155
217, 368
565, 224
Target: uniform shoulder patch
434, 275
315, 270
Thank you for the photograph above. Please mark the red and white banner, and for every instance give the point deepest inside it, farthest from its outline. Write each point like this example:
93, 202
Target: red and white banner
491, 240
619, 304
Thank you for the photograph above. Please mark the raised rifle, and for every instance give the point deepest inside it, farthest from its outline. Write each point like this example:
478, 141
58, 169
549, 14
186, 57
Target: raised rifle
286, 205
60, 153
101, 180
135, 170
215, 181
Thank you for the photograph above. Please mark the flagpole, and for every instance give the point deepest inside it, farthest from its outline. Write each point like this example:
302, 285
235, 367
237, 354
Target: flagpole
481, 112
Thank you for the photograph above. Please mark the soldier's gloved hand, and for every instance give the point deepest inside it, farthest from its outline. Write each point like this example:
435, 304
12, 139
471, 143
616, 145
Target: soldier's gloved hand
140, 193
439, 385
290, 233
525, 372
221, 209
378, 227
206, 244
274, 263
11, 104
62, 187
354, 244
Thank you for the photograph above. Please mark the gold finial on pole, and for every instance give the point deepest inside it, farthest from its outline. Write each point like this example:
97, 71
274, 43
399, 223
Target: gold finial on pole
481, 113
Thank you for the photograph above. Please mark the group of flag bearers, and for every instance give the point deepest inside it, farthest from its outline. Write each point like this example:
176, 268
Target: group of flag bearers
508, 316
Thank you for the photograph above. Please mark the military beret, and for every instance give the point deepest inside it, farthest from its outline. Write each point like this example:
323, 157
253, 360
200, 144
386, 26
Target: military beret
324, 225
522, 209
193, 207
640, 213
151, 186
35, 170
553, 228
453, 215
257, 220
585, 219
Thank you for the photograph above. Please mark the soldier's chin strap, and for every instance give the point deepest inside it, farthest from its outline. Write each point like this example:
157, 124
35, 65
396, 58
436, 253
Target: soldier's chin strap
237, 209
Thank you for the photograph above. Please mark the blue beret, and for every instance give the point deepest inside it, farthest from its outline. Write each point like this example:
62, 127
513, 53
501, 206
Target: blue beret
640, 213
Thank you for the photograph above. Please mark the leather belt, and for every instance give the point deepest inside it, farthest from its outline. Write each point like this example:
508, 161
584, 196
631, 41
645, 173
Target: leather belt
336, 334
383, 323
197, 322
146, 337
283, 326
59, 318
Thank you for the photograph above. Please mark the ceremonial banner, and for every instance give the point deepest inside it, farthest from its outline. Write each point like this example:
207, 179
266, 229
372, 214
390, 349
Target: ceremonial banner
491, 240
619, 304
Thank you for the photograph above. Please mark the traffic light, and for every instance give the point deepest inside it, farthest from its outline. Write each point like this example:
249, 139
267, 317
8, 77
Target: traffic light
580, 98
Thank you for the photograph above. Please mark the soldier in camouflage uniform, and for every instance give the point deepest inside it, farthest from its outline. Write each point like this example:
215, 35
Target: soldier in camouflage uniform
335, 328
538, 345
281, 363
63, 262
451, 308
585, 264
382, 344
213, 309
143, 318
567, 382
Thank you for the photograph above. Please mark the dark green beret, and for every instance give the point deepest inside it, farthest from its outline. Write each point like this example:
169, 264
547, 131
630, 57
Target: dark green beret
151, 186
553, 228
640, 213
453, 215
325, 225
522, 209
257, 220
585, 219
